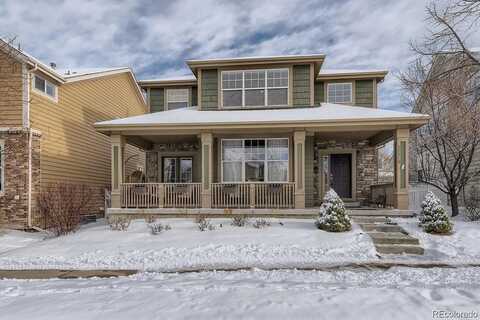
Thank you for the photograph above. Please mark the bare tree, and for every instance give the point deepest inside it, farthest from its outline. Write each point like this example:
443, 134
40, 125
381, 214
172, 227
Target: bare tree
443, 82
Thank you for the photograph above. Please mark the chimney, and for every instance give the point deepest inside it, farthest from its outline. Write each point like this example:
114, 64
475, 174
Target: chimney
53, 65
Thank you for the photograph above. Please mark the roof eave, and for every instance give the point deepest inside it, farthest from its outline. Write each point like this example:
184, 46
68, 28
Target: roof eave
380, 76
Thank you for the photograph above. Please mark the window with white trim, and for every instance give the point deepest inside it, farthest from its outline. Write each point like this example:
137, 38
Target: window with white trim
255, 160
177, 170
339, 92
177, 99
255, 88
2, 166
45, 87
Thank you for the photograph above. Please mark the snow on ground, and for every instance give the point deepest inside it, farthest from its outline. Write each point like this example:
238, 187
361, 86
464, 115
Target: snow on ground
295, 244
13, 239
398, 293
461, 247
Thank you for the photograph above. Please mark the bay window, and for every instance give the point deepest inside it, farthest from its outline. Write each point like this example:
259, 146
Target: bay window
339, 92
255, 160
255, 88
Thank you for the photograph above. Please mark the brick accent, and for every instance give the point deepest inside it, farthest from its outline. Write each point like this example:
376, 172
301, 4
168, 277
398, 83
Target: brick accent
366, 167
14, 200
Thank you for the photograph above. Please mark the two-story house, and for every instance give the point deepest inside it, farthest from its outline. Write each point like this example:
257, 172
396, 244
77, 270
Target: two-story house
47, 134
259, 134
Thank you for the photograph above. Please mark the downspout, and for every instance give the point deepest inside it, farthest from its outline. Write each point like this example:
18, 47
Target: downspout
29, 204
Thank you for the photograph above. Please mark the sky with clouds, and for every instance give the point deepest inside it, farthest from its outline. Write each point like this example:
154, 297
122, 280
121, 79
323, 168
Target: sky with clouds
155, 37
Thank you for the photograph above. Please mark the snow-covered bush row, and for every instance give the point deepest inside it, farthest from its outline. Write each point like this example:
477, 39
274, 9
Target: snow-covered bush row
118, 223
261, 223
204, 224
333, 215
240, 221
157, 228
434, 217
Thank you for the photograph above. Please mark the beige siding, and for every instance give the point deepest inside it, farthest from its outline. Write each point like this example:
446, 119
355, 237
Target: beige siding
310, 194
11, 93
71, 149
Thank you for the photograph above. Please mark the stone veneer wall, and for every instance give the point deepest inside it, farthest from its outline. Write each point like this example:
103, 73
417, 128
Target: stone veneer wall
14, 200
366, 166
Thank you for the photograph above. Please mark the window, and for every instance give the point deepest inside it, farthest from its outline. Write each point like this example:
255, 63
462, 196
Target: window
255, 160
177, 99
255, 88
177, 170
2, 167
339, 92
45, 87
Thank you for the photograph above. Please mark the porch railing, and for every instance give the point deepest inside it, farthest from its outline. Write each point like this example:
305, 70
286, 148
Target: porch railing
253, 195
160, 195
382, 194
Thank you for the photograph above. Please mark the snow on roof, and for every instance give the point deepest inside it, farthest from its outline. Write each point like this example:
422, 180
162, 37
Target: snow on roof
76, 72
350, 71
292, 56
327, 112
190, 77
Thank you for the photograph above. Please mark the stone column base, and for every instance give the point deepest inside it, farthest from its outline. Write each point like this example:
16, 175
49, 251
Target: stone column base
400, 200
299, 200
116, 200
206, 200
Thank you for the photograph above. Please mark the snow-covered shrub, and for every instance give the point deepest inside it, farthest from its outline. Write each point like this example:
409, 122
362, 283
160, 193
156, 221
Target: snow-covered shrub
261, 223
118, 223
333, 215
239, 221
472, 204
157, 228
434, 217
150, 219
204, 224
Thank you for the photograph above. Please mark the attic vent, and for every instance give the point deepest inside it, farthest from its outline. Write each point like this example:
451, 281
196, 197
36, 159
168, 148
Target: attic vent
53, 65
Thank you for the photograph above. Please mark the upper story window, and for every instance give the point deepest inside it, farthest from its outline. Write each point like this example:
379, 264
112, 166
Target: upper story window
339, 92
2, 167
177, 98
255, 88
45, 87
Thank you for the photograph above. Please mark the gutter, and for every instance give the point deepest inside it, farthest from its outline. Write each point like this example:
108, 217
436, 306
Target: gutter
29, 203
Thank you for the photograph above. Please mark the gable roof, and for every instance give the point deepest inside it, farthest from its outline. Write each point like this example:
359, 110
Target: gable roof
327, 113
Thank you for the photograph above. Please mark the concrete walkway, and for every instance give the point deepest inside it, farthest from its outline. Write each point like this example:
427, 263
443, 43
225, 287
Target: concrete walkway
388, 237
63, 274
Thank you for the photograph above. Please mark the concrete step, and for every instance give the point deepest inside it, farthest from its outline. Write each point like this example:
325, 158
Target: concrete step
365, 219
368, 227
392, 238
352, 204
399, 249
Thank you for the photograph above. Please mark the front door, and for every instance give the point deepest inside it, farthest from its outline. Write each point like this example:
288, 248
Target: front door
341, 174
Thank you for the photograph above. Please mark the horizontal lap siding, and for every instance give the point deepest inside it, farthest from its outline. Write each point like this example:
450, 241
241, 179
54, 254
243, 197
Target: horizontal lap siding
209, 89
11, 93
309, 172
157, 99
319, 92
71, 149
301, 85
194, 97
364, 93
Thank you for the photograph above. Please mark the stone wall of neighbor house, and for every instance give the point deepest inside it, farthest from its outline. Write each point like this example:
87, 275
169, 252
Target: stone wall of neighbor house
14, 199
366, 167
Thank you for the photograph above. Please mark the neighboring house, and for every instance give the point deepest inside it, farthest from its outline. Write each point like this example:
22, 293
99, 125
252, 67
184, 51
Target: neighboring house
260, 133
47, 134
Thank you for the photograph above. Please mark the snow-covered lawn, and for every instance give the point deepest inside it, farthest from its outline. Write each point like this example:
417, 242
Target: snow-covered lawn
12, 239
398, 293
461, 247
295, 244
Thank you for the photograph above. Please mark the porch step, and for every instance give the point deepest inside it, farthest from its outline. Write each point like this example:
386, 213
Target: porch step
399, 249
368, 219
382, 238
352, 204
369, 227
376, 212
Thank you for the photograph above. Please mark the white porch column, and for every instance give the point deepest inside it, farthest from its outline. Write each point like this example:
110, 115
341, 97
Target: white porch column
118, 143
207, 168
299, 167
400, 192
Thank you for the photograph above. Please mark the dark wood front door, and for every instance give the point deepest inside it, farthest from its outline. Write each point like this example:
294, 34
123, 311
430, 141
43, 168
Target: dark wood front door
341, 174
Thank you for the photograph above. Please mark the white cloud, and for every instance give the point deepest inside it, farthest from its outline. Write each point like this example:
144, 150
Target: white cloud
155, 37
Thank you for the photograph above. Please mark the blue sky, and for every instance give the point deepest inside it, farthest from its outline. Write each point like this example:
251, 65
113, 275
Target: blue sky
155, 37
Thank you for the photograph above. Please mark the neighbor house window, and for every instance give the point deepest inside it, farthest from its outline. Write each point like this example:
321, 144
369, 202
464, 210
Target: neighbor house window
339, 92
45, 87
2, 166
177, 170
177, 98
255, 160
255, 88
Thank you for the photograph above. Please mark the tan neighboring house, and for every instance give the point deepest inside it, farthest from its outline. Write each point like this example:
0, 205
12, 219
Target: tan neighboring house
47, 133
260, 135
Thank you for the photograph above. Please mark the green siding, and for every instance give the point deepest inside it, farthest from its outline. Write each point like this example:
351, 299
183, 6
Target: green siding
309, 174
157, 100
364, 93
209, 89
319, 93
194, 98
301, 85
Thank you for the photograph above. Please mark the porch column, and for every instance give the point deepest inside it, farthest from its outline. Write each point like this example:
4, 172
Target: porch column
207, 168
400, 193
118, 143
299, 165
